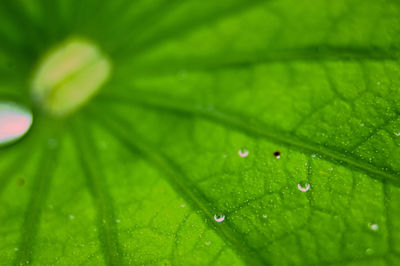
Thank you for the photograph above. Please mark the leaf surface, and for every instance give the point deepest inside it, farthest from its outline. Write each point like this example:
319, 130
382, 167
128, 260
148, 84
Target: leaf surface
139, 174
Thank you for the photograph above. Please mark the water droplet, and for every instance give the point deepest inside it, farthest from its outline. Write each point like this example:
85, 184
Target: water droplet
219, 219
374, 227
243, 152
182, 205
118, 221
277, 154
69, 76
15, 121
397, 134
313, 155
71, 217
208, 243
303, 186
265, 216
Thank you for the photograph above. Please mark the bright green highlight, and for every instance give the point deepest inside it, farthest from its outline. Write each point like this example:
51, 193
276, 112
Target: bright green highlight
69, 76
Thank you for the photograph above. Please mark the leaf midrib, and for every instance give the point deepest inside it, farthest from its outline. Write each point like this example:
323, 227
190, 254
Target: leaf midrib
179, 107
176, 178
151, 101
279, 55
34, 210
102, 200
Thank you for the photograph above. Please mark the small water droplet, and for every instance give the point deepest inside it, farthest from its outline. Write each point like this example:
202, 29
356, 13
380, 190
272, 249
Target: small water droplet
219, 219
397, 134
265, 216
208, 243
15, 121
303, 186
118, 221
71, 217
16, 249
374, 227
362, 124
313, 155
182, 205
243, 152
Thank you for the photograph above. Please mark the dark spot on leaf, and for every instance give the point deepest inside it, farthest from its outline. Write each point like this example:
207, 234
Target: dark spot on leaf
277, 153
21, 182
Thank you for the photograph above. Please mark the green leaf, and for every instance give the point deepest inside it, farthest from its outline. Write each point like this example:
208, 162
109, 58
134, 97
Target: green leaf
140, 174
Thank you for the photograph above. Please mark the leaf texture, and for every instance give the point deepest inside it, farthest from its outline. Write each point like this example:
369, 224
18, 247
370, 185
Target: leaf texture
137, 175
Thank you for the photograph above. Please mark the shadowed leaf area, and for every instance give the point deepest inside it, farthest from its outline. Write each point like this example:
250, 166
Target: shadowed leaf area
229, 133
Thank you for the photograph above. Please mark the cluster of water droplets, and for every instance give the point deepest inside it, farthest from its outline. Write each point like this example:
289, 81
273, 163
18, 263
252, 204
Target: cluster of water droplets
303, 186
16, 120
